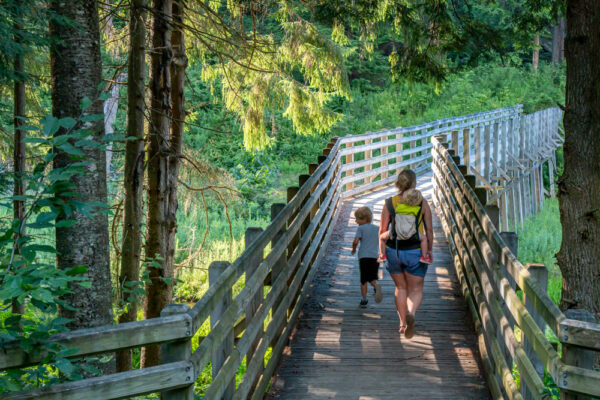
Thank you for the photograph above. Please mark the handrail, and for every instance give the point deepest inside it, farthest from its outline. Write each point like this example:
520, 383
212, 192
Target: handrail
492, 274
488, 270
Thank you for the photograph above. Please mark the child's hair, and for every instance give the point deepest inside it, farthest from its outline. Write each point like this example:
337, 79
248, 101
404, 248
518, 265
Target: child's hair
407, 179
364, 213
412, 197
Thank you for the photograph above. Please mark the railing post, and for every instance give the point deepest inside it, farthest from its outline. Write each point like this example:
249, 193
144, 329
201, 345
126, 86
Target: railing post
251, 234
291, 193
349, 160
180, 350
540, 274
384, 151
413, 144
302, 179
278, 266
368, 154
477, 143
486, 153
454, 143
215, 270
467, 148
574, 355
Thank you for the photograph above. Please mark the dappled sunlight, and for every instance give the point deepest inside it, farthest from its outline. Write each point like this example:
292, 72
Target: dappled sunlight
341, 351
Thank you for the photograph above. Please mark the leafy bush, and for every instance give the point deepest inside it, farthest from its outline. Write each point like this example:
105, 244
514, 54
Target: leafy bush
539, 241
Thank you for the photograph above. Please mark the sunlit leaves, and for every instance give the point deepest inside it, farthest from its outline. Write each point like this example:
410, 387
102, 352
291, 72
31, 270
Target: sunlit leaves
286, 64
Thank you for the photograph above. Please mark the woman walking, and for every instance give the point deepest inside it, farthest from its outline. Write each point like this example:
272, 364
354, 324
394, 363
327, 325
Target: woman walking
404, 254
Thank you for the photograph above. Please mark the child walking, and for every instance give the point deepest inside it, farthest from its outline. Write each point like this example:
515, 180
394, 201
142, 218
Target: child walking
410, 205
367, 235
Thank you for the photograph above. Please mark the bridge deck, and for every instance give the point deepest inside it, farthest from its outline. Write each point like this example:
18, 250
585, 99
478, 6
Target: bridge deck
340, 351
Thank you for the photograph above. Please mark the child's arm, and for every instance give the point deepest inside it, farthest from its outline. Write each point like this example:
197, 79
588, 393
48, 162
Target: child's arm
354, 244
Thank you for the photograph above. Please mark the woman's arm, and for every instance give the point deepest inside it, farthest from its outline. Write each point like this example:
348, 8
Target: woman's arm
428, 227
383, 231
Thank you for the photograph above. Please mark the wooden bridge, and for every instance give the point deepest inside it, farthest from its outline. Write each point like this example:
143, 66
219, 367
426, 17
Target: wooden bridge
296, 325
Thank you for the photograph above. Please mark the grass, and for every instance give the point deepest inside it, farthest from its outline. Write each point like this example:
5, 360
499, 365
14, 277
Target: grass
539, 241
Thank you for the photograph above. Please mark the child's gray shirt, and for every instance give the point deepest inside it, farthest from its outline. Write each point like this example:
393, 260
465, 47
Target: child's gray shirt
368, 246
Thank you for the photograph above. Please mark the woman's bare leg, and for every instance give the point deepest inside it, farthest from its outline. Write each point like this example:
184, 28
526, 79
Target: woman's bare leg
400, 296
414, 286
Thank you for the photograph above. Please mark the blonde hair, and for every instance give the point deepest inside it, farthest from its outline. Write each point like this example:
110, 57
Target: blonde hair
364, 213
412, 197
407, 179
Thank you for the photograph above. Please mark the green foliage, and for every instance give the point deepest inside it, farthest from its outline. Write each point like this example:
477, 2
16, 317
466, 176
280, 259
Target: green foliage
286, 65
27, 271
485, 87
539, 241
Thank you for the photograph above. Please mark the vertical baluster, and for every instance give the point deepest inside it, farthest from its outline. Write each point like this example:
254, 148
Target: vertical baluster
180, 350
223, 351
278, 267
349, 159
487, 152
368, 154
540, 274
250, 236
477, 160
574, 355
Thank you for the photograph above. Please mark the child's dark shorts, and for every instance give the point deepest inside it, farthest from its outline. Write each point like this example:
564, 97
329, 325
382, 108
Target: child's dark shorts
368, 269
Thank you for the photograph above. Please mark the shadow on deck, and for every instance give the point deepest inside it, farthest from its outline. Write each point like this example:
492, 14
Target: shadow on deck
340, 351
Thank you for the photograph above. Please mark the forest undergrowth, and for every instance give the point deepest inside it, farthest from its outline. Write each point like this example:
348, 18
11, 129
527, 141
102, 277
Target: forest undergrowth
261, 178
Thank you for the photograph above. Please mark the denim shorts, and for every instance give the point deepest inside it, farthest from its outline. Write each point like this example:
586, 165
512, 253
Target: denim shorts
399, 261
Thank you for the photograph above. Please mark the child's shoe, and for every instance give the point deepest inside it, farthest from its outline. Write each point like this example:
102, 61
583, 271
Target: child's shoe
363, 303
426, 260
378, 293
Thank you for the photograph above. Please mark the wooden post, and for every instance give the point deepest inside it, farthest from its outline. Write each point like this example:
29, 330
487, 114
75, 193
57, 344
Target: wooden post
384, 151
487, 164
540, 274
251, 234
350, 172
311, 170
215, 270
573, 355
180, 350
454, 143
291, 192
279, 264
477, 142
467, 148
302, 179
368, 154
495, 139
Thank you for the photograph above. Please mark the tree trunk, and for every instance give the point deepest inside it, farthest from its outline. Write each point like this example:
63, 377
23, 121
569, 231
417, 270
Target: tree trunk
111, 105
536, 53
134, 170
178, 67
558, 41
158, 292
19, 143
579, 186
77, 73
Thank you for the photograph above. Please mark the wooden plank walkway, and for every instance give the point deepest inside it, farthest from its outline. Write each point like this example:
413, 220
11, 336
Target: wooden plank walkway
340, 351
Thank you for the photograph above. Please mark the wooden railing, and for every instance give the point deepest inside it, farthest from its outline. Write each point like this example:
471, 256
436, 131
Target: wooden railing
372, 160
244, 326
263, 314
491, 276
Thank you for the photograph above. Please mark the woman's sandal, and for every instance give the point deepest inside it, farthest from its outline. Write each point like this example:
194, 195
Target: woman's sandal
410, 326
402, 329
